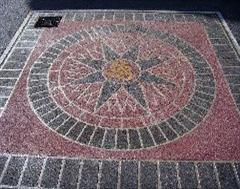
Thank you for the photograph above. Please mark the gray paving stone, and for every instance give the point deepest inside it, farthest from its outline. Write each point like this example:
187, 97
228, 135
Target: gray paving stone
40, 95
25, 44
149, 16
3, 160
5, 91
70, 174
233, 79
187, 174
7, 82
79, 17
192, 116
32, 172
122, 142
200, 102
39, 76
51, 173
89, 176
109, 141
89, 16
129, 16
87, 133
47, 108
237, 166
185, 122
64, 128
129, 174
149, 175
146, 137
19, 55
13, 171
76, 130
168, 175
42, 102
119, 16
157, 135
13, 65
226, 175
204, 96
3, 101
139, 17
69, 16
29, 38
176, 126
51, 115
109, 15
9, 74
99, 16
98, 137
168, 132
109, 176
207, 176
199, 110
37, 89
134, 139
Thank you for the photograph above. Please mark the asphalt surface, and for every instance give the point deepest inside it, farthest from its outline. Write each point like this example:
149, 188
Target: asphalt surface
13, 12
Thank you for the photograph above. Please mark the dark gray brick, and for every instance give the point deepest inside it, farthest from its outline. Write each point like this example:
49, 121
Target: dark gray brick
109, 176
168, 132
89, 177
157, 135
5, 91
149, 175
37, 89
31, 38
76, 130
129, 16
3, 101
134, 139
207, 176
207, 90
139, 17
7, 82
98, 137
192, 116
19, 55
40, 95
109, 15
42, 102
32, 172
85, 136
185, 122
51, 173
3, 160
99, 16
70, 174
24, 44
204, 96
119, 16
147, 140
51, 115
64, 128
9, 74
226, 175
39, 76
168, 175
89, 16
14, 65
200, 102
122, 142
13, 171
187, 174
176, 126
129, 174
109, 141
69, 16
79, 16
201, 111
47, 108
149, 16
237, 166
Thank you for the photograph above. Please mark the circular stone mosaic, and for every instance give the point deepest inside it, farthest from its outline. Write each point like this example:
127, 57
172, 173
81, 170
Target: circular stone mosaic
121, 87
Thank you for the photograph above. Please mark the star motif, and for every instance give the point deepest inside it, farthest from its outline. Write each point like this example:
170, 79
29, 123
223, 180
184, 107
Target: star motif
111, 86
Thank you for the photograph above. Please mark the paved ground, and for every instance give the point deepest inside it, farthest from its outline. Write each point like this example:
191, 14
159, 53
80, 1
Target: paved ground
96, 103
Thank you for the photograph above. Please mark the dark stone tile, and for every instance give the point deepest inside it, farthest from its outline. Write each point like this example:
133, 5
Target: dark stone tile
9, 74
19, 55
192, 116
129, 174
109, 15
3, 160
226, 175
176, 126
184, 121
63, 129
89, 176
187, 174
99, 16
237, 166
70, 174
204, 96
76, 130
86, 135
109, 141
160, 17
139, 17
46, 109
134, 139
3, 101
68, 38
207, 176
147, 140
38, 76
109, 176
168, 175
52, 115
98, 137
207, 90
33, 90
168, 132
157, 135
32, 172
200, 102
42, 102
5, 91
32, 38
129, 16
14, 65
149, 175
25, 44
122, 142
37, 83
65, 42
201, 111
233, 79
89, 16
7, 82
13, 171
77, 36
51, 173
119, 16
69, 16
35, 70
149, 16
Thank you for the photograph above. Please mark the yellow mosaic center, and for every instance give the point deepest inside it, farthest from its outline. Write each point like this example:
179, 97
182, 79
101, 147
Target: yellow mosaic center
120, 70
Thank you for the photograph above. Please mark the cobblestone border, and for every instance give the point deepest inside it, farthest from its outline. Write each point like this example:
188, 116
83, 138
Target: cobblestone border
123, 139
24, 171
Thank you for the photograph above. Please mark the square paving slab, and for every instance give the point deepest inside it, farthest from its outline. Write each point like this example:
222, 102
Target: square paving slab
120, 99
